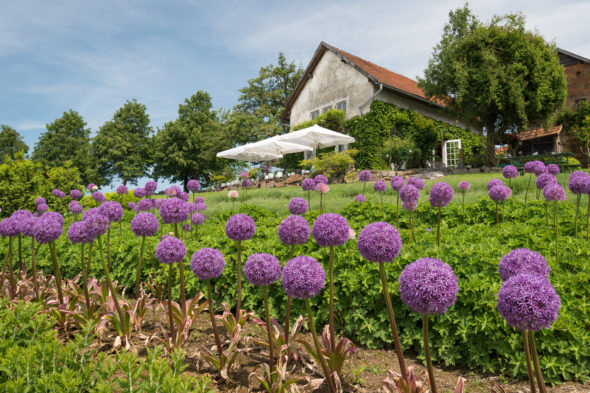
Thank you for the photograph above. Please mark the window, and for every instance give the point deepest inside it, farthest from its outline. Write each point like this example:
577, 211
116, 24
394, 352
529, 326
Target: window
341, 105
315, 114
326, 108
579, 102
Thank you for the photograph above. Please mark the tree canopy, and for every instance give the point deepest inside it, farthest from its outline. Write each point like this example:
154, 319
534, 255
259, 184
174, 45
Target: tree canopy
66, 139
123, 145
11, 142
578, 123
497, 74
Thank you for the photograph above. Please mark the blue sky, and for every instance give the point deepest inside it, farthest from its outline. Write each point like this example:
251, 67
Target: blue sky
91, 56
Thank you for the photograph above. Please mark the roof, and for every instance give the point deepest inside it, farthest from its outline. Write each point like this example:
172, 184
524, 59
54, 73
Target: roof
376, 74
568, 58
536, 133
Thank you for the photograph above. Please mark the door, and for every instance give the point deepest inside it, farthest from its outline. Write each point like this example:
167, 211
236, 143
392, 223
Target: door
451, 149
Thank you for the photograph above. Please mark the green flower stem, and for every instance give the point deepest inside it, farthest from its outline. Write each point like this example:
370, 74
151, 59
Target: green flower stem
588, 220
56, 273
497, 220
427, 353
527, 187
86, 272
396, 342
268, 328
139, 263
556, 231
196, 232
10, 271
34, 267
318, 348
170, 320
364, 185
578, 197
112, 288
546, 213
412, 226
309, 204
239, 268
211, 307
397, 209
321, 203
109, 248
503, 205
121, 228
84, 277
331, 316
288, 310
23, 265
527, 354
538, 373
438, 228
181, 268
463, 207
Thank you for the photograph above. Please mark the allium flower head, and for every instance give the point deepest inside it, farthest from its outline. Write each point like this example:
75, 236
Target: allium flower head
428, 286
184, 196
200, 206
308, 184
397, 182
246, 183
409, 193
320, 179
510, 171
113, 210
529, 167
40, 200
197, 219
262, 269
322, 188
379, 242
75, 207
55, 216
191, 207
416, 182
440, 195
95, 225
170, 250
131, 205
47, 229
139, 192
494, 182
499, 193
42, 207
199, 199
75, 194
528, 302
244, 175
409, 206
145, 224
379, 186
173, 211
360, 198
207, 263
554, 192
9, 227
56, 192
193, 185
150, 186
303, 277
186, 227
92, 186
77, 234
330, 230
157, 202
298, 205
293, 230
90, 212
522, 260
98, 197
240, 227
544, 179
122, 190
28, 226
464, 186
172, 191
365, 175
577, 182
144, 205
233, 194
539, 168
21, 215
553, 169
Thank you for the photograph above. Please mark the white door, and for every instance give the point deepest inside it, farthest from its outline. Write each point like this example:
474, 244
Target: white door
450, 153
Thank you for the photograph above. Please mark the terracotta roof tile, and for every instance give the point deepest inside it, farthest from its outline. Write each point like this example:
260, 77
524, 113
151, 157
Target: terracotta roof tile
535, 133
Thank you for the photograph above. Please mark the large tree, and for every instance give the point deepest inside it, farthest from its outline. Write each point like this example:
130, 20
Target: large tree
123, 145
66, 139
10, 142
186, 148
497, 73
261, 102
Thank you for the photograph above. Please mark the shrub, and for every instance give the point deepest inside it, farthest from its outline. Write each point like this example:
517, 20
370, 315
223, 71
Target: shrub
332, 164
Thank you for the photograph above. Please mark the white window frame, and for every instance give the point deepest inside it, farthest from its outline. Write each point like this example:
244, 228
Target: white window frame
444, 152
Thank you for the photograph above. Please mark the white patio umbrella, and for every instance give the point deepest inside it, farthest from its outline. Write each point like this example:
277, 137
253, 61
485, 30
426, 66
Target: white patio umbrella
317, 137
239, 153
275, 145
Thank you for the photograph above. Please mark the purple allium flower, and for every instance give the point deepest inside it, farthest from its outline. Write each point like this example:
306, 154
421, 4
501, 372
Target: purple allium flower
92, 186
21, 215
207, 263
122, 190
197, 219
139, 192
47, 229
409, 193
539, 168
170, 250
240, 227
499, 193
191, 207
56, 192
464, 186
95, 225
379, 186
98, 197
173, 210
42, 207
113, 210
416, 182
9, 227
553, 169
186, 227
379, 242
199, 199
365, 175
145, 224
428, 286
577, 182
90, 212
308, 184
544, 179
75, 207
55, 216
330, 230
28, 226
529, 167
75, 194
586, 185
157, 203
303, 277
409, 206
150, 186
77, 234
397, 182
131, 205
293, 230
554, 192
510, 171
172, 191
262, 269
322, 188
246, 183
40, 200
320, 179
494, 182
184, 196
144, 205
193, 185
522, 260
244, 175
200, 206
298, 205
528, 301
440, 195
360, 198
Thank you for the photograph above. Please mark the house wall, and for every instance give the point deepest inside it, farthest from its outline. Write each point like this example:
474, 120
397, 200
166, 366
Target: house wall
578, 84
